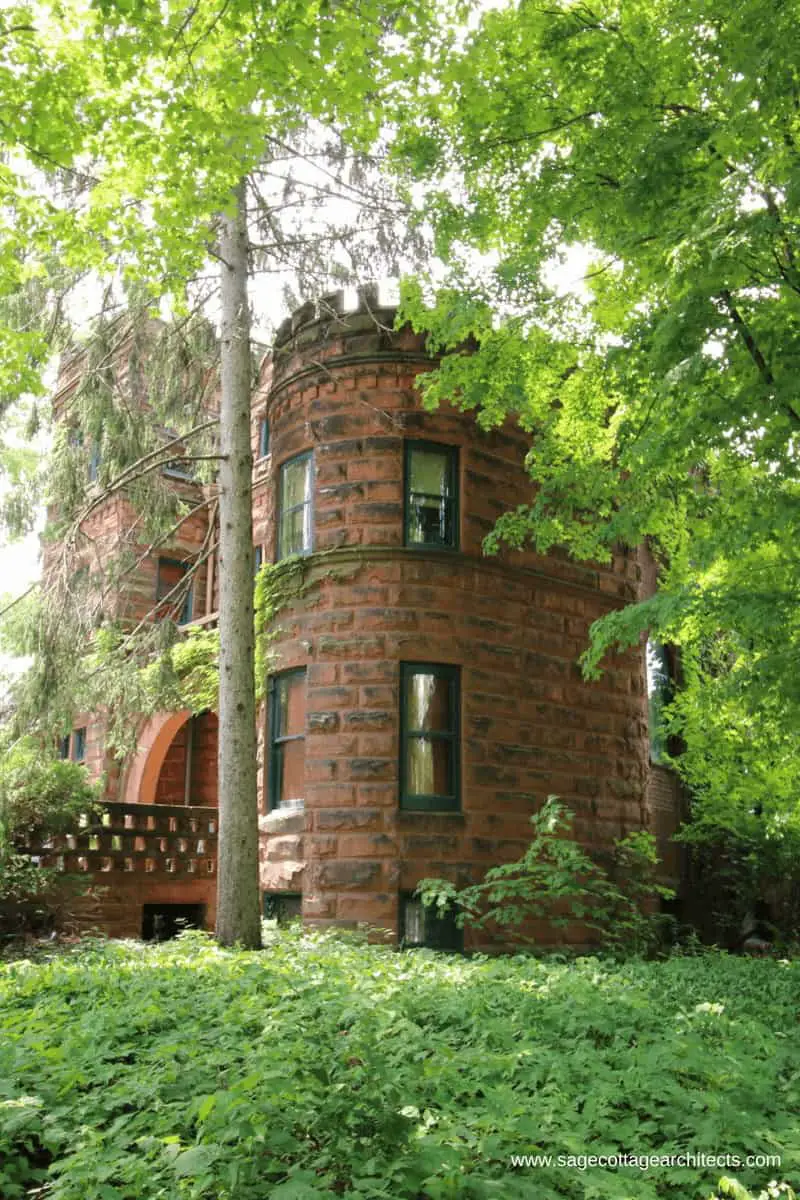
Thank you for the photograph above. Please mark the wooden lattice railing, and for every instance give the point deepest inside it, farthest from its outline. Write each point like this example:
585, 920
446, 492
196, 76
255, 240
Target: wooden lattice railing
161, 839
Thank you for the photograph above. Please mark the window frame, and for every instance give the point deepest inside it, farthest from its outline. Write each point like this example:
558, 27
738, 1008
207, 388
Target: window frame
78, 745
273, 900
308, 457
187, 609
275, 739
263, 438
418, 801
258, 558
454, 477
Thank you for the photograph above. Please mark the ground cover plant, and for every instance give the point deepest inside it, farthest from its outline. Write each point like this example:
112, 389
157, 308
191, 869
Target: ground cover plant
325, 1068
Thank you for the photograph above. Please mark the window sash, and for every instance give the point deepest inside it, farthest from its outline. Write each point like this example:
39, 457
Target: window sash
450, 800
416, 501
291, 539
278, 740
79, 744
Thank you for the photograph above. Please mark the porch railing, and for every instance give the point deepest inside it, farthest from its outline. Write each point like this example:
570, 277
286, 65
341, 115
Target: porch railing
150, 839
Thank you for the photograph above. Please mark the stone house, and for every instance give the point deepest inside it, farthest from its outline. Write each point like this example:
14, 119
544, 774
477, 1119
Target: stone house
424, 699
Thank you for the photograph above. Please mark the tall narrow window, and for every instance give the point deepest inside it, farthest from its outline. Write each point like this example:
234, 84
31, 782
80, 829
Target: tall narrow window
177, 599
659, 688
429, 737
94, 462
263, 438
294, 506
79, 744
258, 559
287, 740
63, 747
431, 495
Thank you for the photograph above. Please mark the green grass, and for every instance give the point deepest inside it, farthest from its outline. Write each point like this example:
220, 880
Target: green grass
325, 1068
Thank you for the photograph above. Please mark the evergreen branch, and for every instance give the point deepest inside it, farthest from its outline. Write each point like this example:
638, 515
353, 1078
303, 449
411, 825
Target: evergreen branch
19, 599
142, 466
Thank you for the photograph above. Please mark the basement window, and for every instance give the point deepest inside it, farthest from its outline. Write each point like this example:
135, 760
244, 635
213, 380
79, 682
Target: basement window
431, 495
421, 926
295, 534
287, 718
429, 737
283, 907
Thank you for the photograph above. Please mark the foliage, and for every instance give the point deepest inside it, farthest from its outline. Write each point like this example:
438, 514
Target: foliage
556, 882
646, 154
39, 796
186, 675
276, 585
746, 868
181, 1070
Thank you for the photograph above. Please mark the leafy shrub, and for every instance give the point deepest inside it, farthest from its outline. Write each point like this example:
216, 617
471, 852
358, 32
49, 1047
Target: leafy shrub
323, 1069
39, 796
745, 866
556, 882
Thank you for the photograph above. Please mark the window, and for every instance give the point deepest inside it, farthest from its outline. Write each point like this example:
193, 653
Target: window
429, 737
178, 468
287, 717
659, 693
79, 744
283, 906
294, 506
263, 438
431, 495
94, 462
178, 600
258, 559
421, 926
73, 745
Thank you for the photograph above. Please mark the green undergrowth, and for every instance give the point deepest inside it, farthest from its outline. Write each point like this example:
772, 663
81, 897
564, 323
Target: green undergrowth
321, 1067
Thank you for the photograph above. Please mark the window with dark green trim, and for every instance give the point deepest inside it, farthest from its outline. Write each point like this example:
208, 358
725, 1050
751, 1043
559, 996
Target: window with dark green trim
64, 746
258, 558
287, 740
79, 744
421, 926
295, 532
431, 495
283, 906
429, 737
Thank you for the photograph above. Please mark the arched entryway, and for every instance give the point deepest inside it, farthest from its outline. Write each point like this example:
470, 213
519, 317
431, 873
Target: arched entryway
188, 773
175, 761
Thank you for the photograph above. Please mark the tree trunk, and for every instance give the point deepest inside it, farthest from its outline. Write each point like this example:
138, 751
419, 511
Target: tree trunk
238, 908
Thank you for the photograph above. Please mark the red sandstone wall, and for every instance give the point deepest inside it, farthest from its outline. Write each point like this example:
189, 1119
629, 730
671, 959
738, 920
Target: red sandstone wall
515, 625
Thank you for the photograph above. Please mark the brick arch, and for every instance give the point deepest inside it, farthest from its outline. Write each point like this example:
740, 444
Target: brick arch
155, 738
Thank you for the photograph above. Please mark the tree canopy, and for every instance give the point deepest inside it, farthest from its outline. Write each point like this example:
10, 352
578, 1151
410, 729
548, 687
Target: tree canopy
660, 141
